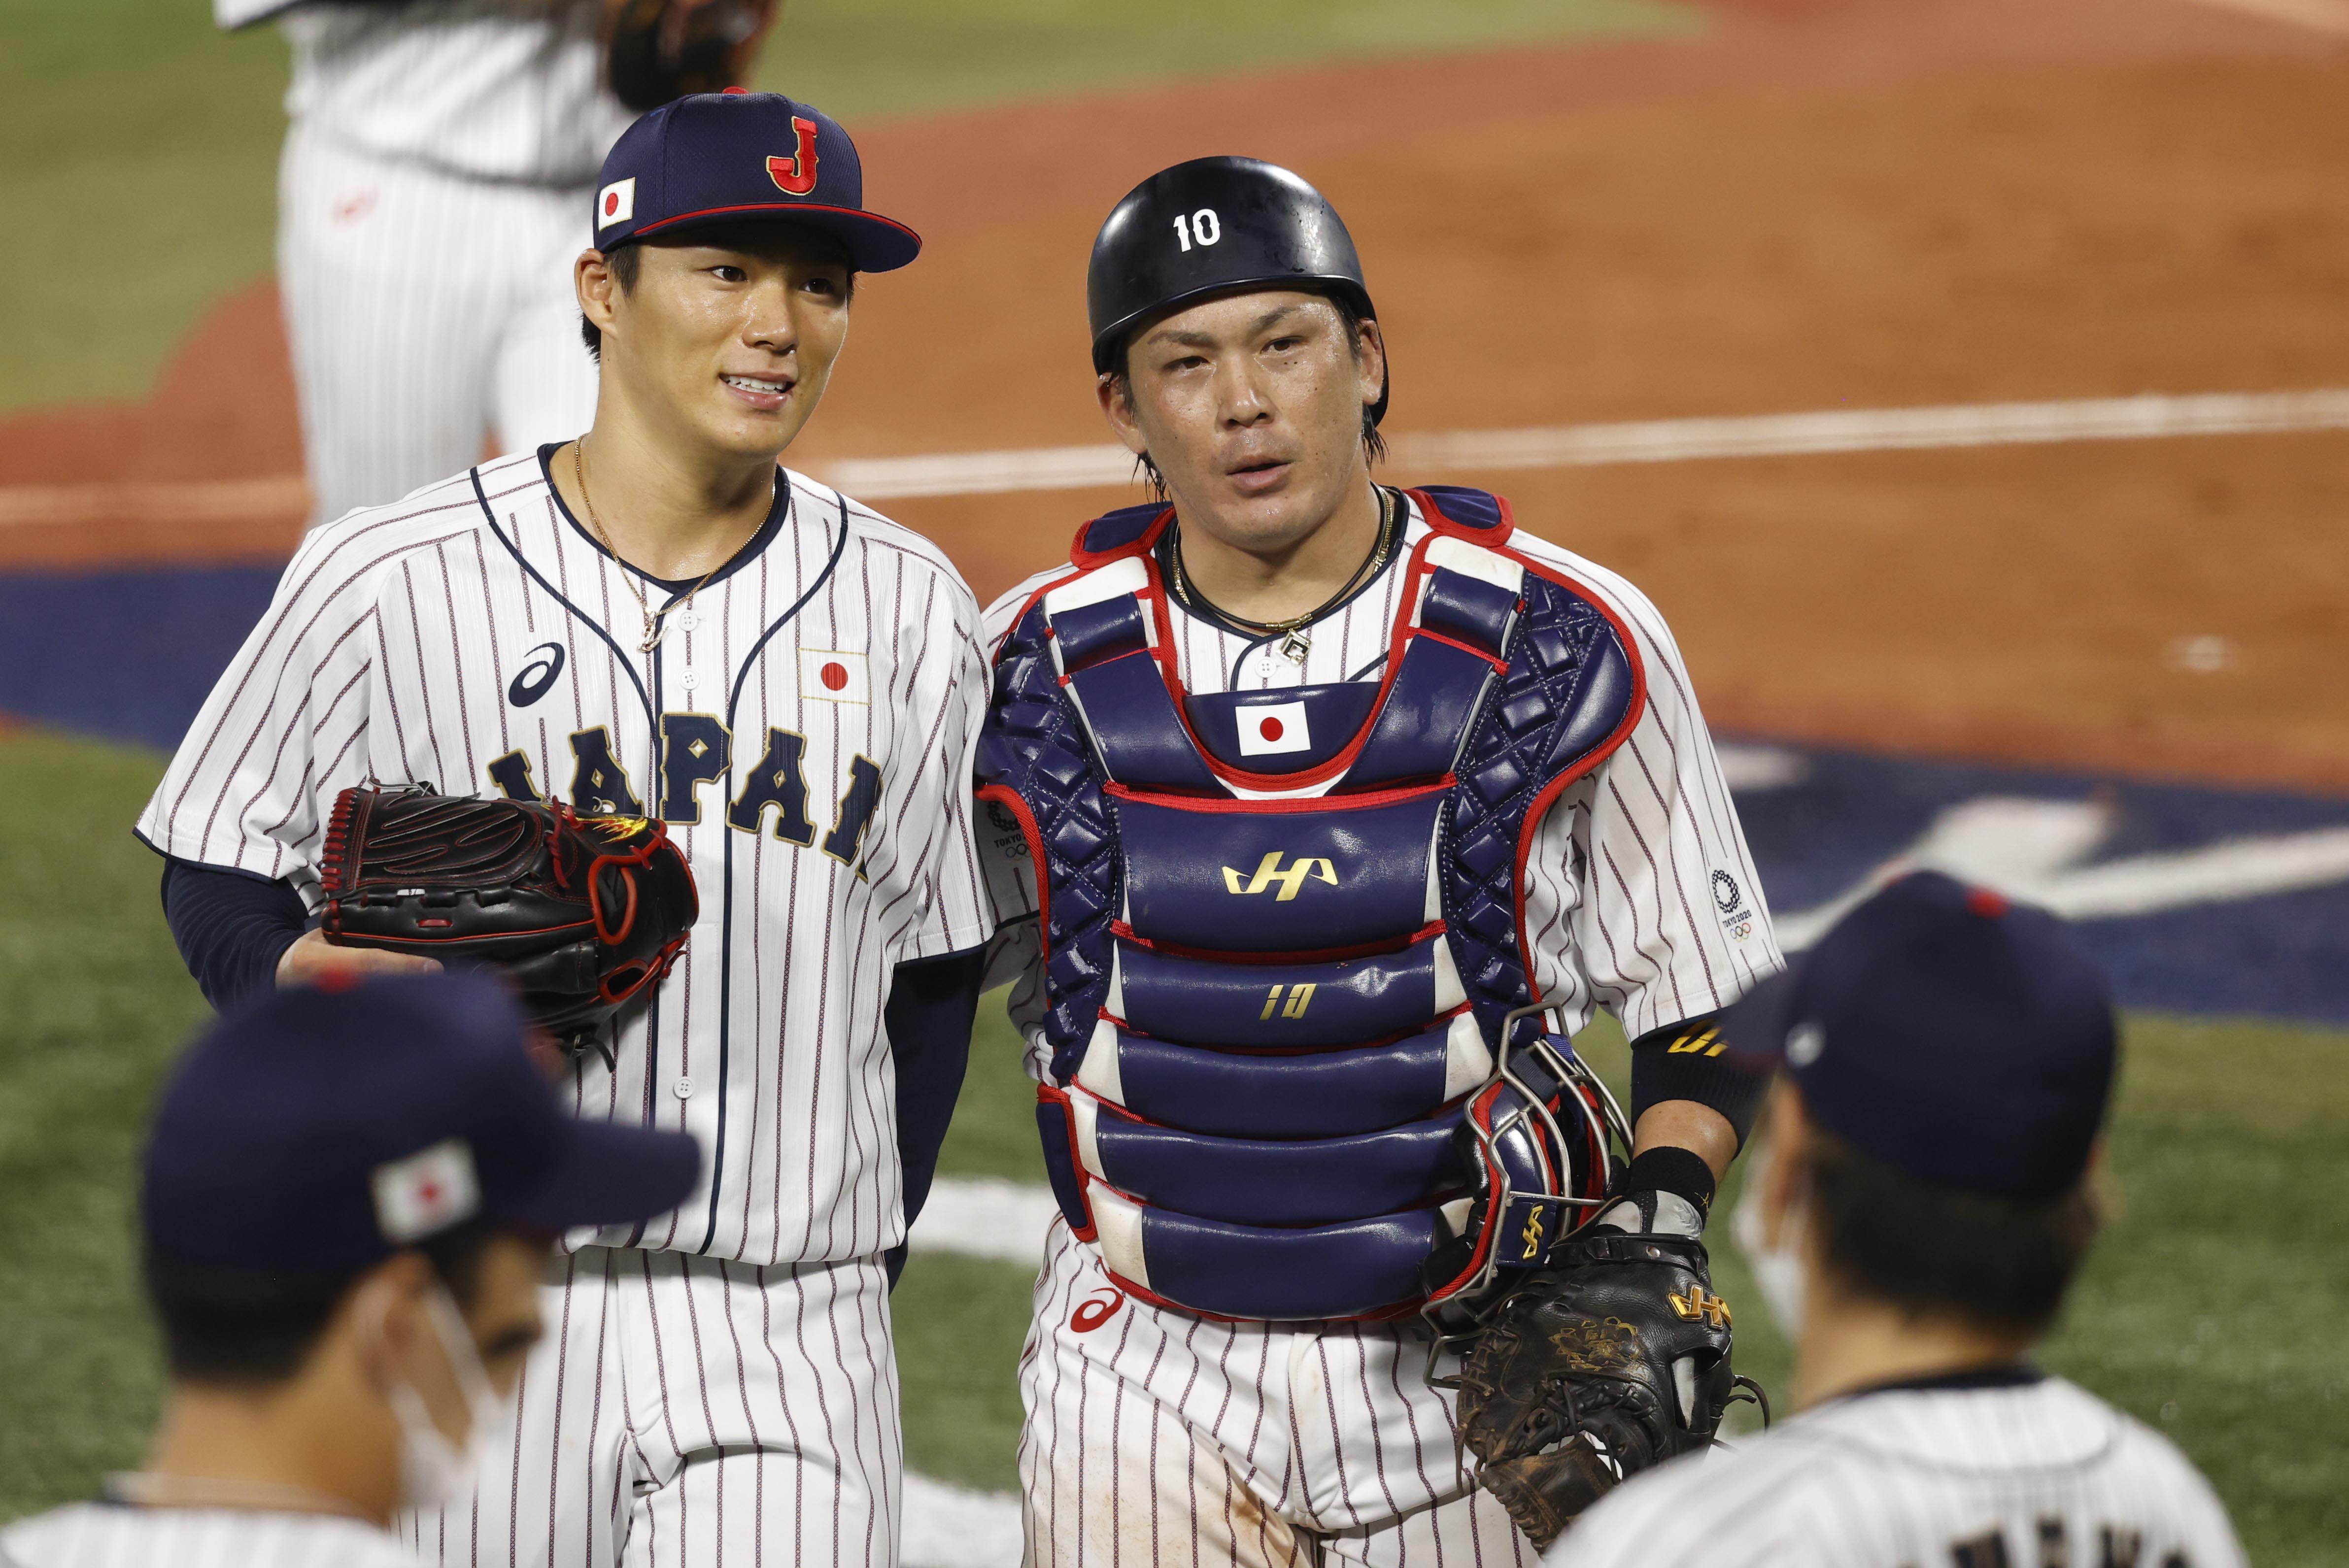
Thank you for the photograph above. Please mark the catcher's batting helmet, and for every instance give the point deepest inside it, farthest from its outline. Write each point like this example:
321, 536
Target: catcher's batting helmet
1214, 226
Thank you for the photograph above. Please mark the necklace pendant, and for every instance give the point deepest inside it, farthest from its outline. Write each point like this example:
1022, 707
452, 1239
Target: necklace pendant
1294, 646
652, 638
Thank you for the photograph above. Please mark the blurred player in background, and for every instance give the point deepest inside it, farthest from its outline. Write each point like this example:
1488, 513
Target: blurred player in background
440, 156
1924, 1204
350, 1191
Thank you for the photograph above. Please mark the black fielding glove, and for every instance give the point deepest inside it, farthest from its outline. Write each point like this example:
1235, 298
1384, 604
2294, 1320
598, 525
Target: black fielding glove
1614, 1358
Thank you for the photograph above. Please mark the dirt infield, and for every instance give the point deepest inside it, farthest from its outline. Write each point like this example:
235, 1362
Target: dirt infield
1825, 203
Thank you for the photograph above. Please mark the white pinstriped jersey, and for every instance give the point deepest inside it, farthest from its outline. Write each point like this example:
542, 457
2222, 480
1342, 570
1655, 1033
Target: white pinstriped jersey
684, 1412
1641, 895
2017, 1476
1195, 1441
805, 729
486, 89
110, 1536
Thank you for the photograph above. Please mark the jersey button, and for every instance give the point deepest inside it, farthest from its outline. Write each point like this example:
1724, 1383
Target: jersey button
682, 1088
688, 680
687, 621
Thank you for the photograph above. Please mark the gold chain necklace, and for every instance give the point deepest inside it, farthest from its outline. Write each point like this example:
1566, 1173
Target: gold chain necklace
656, 626
1295, 644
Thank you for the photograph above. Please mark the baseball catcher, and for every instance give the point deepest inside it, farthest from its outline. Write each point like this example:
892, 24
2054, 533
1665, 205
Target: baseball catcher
581, 912
1327, 813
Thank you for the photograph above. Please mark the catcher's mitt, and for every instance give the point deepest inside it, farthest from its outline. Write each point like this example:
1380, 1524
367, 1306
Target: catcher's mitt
1576, 1380
581, 912
664, 49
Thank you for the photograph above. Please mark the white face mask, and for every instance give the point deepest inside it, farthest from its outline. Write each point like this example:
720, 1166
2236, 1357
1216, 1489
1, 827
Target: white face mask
1777, 1270
432, 1470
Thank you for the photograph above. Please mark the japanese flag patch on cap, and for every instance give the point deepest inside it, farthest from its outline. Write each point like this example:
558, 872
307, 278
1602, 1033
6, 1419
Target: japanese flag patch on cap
615, 203
1275, 727
833, 676
426, 1193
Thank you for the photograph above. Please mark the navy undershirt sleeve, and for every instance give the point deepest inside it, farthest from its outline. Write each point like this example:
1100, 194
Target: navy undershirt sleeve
932, 1005
232, 928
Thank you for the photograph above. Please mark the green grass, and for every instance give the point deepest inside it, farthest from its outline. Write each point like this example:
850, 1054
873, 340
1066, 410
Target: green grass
142, 143
141, 181
94, 1000
2212, 1309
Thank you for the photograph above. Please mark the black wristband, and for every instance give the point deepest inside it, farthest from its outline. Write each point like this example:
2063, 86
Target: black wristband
1687, 1061
1680, 1171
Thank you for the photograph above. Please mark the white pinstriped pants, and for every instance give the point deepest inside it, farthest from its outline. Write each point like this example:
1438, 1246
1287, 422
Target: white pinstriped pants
1156, 1437
426, 312
684, 1412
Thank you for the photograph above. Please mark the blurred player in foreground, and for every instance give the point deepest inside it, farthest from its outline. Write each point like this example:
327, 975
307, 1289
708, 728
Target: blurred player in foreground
1924, 1203
1306, 788
350, 1191
439, 154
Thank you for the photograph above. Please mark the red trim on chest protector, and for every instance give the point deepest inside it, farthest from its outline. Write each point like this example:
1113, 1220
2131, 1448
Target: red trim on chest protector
1153, 596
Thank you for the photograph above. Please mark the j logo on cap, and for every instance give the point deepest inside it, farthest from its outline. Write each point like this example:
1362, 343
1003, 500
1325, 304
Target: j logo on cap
795, 175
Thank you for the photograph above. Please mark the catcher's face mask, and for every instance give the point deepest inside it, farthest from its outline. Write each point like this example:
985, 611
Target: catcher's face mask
1540, 1138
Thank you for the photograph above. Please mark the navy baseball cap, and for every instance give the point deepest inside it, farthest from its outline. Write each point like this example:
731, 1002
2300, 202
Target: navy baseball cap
320, 1129
742, 157
1954, 1036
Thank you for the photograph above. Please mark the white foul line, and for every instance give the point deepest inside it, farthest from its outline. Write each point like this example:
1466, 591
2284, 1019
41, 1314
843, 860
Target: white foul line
2151, 417
948, 1526
986, 1217
184, 500
2147, 417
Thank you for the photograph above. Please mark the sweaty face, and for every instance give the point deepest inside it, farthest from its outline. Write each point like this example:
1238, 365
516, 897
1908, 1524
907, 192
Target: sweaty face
1251, 405
728, 337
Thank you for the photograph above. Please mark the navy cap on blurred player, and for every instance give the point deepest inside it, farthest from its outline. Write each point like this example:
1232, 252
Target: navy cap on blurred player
735, 156
321, 1131
350, 1191
1953, 1036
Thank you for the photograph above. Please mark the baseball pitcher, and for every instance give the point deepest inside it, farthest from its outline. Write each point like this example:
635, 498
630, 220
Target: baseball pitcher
1327, 812
655, 620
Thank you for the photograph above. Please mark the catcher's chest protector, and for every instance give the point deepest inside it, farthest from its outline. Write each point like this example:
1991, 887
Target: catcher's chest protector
1281, 927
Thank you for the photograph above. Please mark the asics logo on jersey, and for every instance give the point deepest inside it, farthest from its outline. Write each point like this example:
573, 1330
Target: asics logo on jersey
539, 669
795, 175
1269, 872
1700, 1305
1096, 1310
